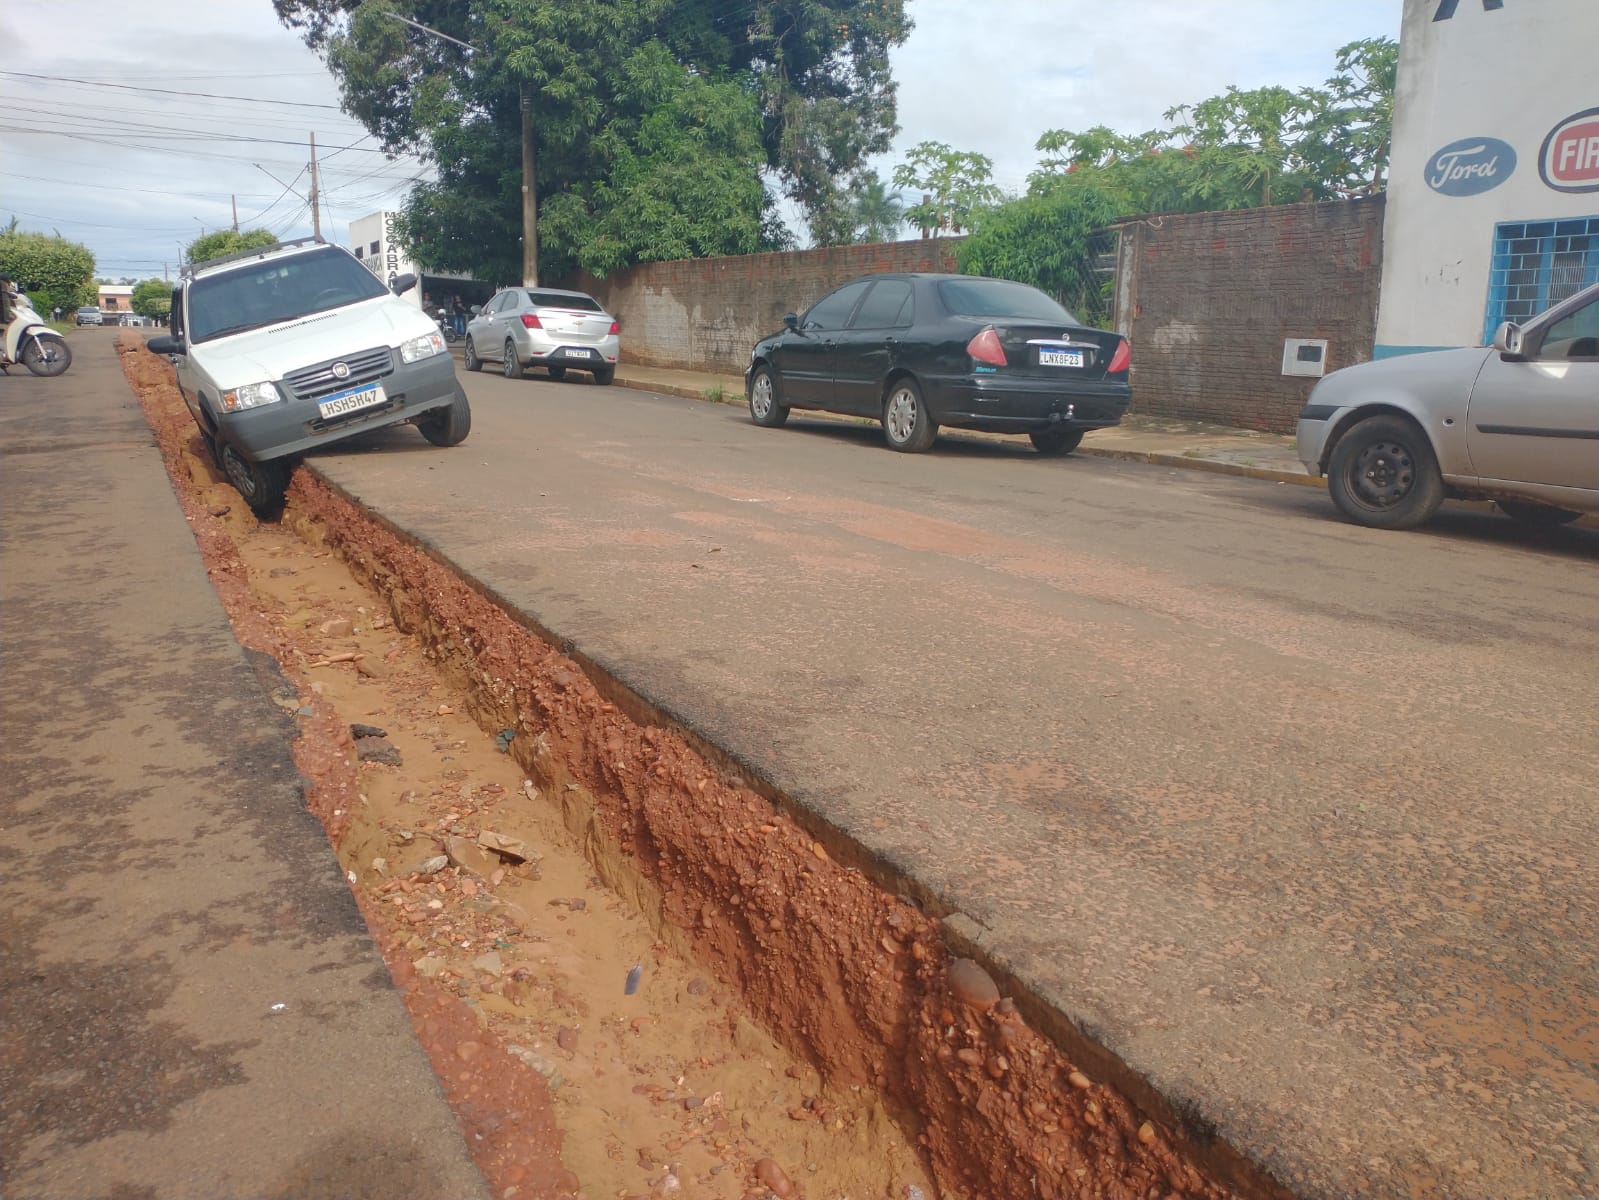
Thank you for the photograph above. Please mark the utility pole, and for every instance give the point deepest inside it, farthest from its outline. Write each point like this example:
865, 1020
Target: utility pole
316, 207
235, 214
530, 202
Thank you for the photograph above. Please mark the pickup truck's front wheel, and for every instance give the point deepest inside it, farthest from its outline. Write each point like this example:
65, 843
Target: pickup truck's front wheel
261, 484
448, 426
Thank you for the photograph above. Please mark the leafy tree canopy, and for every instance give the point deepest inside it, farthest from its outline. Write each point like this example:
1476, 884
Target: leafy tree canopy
661, 101
1045, 240
225, 242
1268, 145
955, 183
51, 270
152, 298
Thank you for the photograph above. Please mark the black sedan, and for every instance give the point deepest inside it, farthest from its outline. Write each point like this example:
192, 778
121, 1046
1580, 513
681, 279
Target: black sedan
919, 351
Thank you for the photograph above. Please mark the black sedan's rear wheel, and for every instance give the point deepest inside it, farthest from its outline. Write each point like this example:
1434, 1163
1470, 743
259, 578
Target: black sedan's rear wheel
1057, 441
1529, 513
907, 424
765, 406
1384, 474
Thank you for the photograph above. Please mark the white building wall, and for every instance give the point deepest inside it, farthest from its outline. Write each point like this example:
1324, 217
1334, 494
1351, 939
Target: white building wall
372, 240
1496, 122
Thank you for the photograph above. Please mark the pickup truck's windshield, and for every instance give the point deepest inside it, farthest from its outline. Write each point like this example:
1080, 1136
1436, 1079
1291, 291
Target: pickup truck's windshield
277, 290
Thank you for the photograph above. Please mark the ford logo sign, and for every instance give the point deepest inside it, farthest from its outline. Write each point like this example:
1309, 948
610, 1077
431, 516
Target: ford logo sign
1569, 158
341, 370
1470, 166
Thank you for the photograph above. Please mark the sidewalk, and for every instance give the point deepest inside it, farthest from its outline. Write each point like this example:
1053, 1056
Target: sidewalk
191, 1004
1190, 444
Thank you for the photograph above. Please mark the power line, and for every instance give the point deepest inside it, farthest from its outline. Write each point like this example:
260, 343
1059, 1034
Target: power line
125, 188
129, 87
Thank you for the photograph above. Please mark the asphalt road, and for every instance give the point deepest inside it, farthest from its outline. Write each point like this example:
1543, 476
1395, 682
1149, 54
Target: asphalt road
1297, 819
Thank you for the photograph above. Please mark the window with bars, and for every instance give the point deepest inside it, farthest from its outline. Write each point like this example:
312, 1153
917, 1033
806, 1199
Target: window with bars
1537, 264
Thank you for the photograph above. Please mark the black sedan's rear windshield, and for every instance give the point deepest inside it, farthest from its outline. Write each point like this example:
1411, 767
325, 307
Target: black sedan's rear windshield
1001, 299
277, 290
563, 300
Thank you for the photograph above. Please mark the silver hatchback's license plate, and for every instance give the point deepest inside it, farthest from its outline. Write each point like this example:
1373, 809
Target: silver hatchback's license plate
351, 401
1050, 356
575, 352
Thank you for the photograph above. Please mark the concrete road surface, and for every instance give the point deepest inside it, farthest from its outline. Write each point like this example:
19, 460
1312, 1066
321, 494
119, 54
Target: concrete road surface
190, 1003
1298, 819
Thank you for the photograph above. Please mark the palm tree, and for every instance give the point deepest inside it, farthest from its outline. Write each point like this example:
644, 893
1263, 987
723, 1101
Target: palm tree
879, 214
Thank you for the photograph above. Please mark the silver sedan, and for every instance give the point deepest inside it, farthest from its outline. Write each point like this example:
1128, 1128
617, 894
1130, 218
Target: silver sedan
1516, 422
544, 327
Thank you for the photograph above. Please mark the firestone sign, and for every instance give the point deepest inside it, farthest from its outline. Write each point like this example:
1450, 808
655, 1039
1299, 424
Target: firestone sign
1569, 158
1471, 166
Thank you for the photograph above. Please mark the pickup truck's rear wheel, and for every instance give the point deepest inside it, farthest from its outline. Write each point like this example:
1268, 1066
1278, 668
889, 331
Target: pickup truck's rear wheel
261, 484
1384, 474
448, 426
1529, 513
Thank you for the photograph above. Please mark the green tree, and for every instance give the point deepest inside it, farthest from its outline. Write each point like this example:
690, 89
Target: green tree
878, 214
1242, 148
225, 242
152, 298
814, 72
51, 270
1049, 241
953, 182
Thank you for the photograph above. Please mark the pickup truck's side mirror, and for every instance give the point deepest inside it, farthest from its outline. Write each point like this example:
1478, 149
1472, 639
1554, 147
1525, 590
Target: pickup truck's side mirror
403, 284
164, 344
791, 322
1507, 339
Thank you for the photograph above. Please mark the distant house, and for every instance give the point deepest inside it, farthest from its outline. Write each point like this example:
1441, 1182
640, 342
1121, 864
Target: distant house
116, 297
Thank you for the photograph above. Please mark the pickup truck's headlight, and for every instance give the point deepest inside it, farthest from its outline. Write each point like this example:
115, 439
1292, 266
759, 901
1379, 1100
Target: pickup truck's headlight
422, 347
251, 395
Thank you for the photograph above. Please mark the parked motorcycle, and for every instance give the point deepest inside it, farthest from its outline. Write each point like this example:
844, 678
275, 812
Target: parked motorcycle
28, 340
446, 326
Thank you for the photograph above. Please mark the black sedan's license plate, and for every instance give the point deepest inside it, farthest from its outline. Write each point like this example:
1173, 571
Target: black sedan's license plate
1059, 356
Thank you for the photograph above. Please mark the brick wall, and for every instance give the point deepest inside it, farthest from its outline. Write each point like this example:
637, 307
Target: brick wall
1207, 299
705, 314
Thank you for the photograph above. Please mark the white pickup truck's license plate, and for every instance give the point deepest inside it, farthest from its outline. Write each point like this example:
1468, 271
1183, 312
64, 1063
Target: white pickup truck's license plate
1051, 357
352, 400
576, 352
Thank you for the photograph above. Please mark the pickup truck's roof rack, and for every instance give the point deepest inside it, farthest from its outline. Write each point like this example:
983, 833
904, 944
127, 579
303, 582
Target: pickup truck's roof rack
190, 270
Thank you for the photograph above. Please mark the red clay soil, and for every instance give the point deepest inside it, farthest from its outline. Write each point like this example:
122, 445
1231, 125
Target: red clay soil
847, 975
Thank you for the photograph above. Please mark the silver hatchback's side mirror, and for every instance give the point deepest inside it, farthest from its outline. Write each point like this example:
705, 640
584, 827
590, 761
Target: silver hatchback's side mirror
1507, 339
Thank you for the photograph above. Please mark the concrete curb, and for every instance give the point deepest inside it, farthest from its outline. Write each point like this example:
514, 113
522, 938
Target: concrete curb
1152, 457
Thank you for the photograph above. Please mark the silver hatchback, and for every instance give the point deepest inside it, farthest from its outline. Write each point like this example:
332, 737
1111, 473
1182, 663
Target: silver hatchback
544, 327
1516, 422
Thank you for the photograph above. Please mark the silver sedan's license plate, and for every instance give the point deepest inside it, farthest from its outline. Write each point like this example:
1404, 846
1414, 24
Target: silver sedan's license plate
577, 352
1059, 356
351, 401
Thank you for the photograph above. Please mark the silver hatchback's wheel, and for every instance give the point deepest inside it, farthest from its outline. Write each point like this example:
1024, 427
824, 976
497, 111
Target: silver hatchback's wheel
510, 364
764, 407
473, 362
907, 424
1383, 473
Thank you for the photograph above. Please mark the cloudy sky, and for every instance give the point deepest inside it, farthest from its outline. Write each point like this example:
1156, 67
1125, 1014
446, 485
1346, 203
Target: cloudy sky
121, 129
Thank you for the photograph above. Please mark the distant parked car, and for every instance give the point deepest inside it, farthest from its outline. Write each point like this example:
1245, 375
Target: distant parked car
89, 316
917, 352
544, 327
1516, 422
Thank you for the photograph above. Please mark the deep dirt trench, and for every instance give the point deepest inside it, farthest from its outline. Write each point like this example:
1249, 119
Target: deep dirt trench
634, 975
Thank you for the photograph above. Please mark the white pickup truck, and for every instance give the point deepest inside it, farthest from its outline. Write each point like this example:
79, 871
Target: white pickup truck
287, 348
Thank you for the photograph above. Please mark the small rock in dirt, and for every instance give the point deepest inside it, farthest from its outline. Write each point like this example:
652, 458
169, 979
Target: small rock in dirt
633, 978
774, 1177
489, 964
467, 1051
336, 627
511, 848
693, 1102
429, 967
566, 1038
1146, 1133
1079, 1081
360, 731
445, 710
972, 1058
372, 668
220, 510
972, 985
578, 905
432, 866
378, 750
280, 572
539, 1063
469, 856
698, 987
